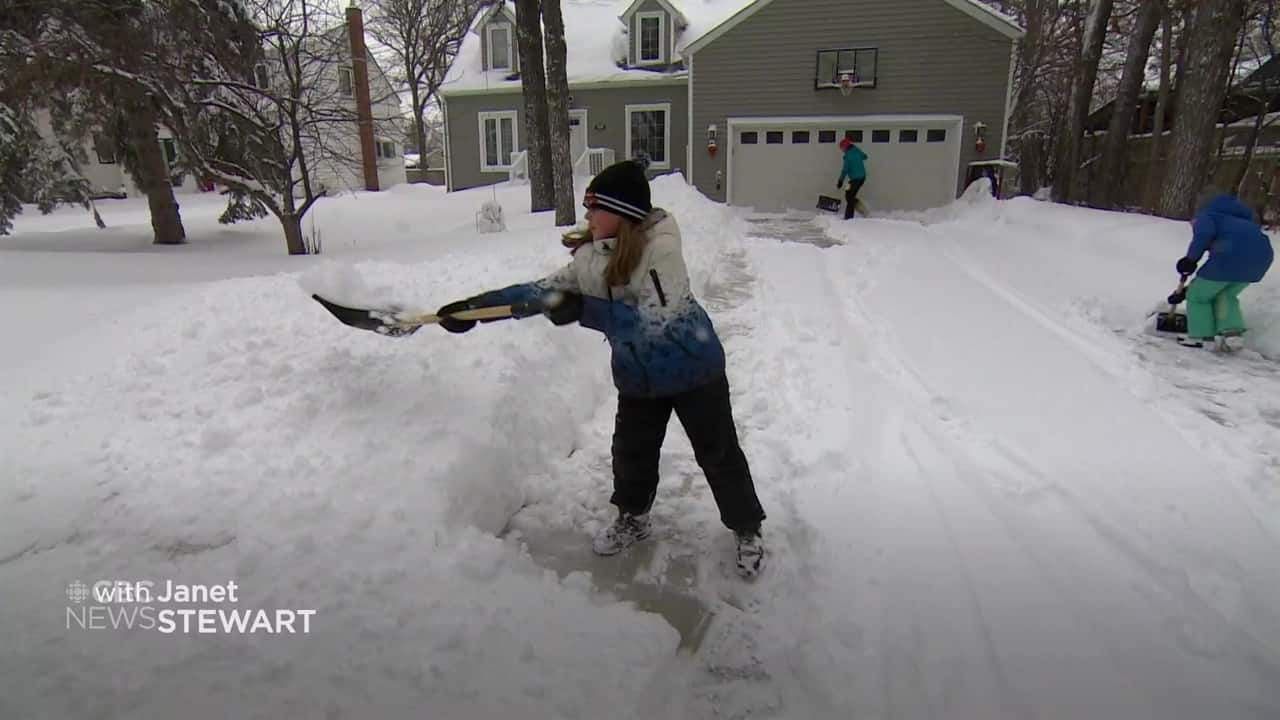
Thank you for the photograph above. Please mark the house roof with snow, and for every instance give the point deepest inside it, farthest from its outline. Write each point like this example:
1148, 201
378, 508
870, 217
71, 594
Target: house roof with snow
595, 34
597, 42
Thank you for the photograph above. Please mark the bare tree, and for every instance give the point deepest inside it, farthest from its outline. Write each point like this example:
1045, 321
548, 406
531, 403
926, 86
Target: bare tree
558, 112
1081, 93
425, 36
1029, 135
1155, 163
1212, 35
533, 81
1045, 61
279, 127
1111, 168
149, 166
1265, 90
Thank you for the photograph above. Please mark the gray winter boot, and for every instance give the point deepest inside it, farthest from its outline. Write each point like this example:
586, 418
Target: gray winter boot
750, 553
625, 531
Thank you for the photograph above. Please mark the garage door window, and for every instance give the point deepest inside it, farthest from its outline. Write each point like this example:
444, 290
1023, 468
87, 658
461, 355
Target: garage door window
908, 136
880, 136
936, 136
800, 137
649, 134
826, 136
853, 135
773, 137
750, 138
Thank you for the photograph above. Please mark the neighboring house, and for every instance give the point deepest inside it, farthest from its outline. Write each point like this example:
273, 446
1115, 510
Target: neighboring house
1256, 89
369, 156
428, 169
745, 99
104, 170
377, 164
1248, 96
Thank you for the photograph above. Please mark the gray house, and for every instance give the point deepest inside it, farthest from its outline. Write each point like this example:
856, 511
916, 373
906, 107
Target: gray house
748, 100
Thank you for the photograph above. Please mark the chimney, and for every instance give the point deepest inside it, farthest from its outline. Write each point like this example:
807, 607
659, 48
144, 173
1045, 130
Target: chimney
364, 107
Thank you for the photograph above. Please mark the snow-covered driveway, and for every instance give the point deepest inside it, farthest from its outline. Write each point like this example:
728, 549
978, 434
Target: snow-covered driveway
990, 495
1005, 513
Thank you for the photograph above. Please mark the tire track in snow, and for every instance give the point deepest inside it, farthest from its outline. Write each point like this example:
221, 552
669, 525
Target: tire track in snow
976, 460
889, 694
1110, 534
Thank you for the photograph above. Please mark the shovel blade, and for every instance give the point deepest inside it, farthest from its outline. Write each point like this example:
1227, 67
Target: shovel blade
1171, 323
383, 322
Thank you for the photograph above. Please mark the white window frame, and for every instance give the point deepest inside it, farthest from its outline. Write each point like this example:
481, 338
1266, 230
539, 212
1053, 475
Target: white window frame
488, 38
666, 126
350, 73
662, 33
499, 115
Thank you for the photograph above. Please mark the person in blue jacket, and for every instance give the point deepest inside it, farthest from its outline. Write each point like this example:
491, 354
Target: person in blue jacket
629, 282
855, 169
1240, 254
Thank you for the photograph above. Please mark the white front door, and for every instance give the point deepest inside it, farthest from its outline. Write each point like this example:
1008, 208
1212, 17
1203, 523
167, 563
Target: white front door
577, 134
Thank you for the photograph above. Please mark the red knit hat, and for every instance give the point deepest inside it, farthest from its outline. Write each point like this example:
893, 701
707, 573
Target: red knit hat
846, 143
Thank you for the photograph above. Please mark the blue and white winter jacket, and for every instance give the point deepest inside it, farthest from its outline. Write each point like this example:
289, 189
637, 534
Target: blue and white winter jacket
662, 340
1238, 249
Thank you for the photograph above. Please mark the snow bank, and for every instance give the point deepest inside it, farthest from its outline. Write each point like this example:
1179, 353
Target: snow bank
1108, 269
237, 431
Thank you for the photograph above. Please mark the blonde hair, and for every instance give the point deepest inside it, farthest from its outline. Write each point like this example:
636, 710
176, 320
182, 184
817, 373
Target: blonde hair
626, 253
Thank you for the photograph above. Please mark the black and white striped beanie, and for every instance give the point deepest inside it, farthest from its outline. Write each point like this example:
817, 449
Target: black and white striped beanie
622, 189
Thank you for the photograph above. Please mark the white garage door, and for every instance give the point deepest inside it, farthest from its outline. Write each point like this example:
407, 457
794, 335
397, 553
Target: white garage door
779, 165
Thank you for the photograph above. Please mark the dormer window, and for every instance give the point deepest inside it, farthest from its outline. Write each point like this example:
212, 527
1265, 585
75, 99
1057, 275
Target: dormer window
498, 36
650, 31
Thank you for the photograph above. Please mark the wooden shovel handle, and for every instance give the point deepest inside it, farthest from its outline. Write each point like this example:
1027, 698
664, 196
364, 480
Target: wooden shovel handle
497, 312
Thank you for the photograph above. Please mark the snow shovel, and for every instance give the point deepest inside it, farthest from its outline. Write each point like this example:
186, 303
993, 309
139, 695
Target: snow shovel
828, 203
398, 322
1174, 322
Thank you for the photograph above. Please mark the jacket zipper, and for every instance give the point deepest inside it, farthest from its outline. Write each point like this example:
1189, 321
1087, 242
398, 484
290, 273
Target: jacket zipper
662, 297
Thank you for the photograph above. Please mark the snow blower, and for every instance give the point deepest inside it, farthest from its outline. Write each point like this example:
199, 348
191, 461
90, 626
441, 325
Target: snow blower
1173, 322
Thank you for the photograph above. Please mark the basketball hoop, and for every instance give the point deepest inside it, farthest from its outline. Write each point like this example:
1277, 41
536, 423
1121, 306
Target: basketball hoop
846, 84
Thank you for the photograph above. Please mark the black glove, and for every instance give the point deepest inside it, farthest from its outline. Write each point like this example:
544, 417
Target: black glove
456, 326
839, 184
1177, 297
1186, 266
562, 307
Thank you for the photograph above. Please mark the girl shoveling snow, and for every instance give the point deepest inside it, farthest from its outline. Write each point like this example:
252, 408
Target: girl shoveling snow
629, 281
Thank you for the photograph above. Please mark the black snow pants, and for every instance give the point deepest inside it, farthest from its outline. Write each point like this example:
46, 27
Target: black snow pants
851, 196
707, 417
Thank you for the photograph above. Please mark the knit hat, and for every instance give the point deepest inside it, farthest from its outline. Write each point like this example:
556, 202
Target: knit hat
622, 189
845, 144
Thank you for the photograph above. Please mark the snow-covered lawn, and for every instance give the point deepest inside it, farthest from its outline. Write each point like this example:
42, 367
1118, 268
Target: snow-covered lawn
990, 495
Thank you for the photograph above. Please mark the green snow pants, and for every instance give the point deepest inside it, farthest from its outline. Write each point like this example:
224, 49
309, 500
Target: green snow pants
1213, 308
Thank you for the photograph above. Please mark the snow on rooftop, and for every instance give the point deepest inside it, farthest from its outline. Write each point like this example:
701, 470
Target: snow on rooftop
596, 41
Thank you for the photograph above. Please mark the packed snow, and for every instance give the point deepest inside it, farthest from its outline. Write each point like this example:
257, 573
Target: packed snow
990, 493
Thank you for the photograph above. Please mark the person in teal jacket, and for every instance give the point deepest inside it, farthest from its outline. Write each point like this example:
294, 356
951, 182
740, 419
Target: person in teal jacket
1240, 254
855, 169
